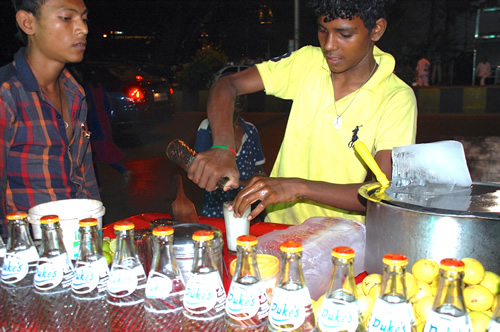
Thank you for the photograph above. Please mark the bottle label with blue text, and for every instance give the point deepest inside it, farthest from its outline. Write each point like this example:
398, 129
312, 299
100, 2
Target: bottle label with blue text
88, 276
288, 309
204, 293
337, 315
247, 301
16, 265
48, 275
122, 281
442, 323
394, 317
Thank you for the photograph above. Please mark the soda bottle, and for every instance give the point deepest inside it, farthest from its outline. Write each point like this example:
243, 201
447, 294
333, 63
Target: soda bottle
165, 286
90, 281
127, 282
205, 297
291, 307
53, 277
494, 325
247, 305
339, 310
18, 270
3, 250
392, 309
448, 312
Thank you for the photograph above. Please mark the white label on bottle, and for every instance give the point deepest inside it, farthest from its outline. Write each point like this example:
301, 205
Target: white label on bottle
336, 315
122, 281
438, 322
494, 326
14, 269
86, 279
30, 255
158, 286
2, 252
204, 292
244, 301
289, 308
48, 274
395, 317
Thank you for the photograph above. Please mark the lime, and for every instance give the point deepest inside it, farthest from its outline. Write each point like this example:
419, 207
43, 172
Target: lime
105, 246
108, 256
112, 246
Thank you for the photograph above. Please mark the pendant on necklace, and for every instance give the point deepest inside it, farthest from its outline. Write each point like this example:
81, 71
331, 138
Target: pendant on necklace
66, 125
337, 122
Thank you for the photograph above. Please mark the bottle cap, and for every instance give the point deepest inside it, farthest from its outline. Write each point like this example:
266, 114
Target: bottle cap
203, 235
343, 252
124, 225
291, 247
88, 222
395, 259
15, 215
50, 219
163, 230
246, 240
452, 264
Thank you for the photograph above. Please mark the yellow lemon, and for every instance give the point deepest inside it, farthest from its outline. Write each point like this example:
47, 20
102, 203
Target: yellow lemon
422, 307
478, 298
375, 291
425, 269
365, 304
424, 290
479, 321
359, 289
411, 285
474, 271
434, 286
491, 281
420, 327
317, 306
370, 280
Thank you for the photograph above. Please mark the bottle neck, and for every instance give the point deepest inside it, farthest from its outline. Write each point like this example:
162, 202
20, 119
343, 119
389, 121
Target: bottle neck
52, 243
247, 270
204, 261
291, 277
449, 292
125, 244
342, 282
19, 238
90, 244
163, 253
393, 284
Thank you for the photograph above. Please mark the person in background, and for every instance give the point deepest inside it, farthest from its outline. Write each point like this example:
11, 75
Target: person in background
483, 70
342, 91
249, 158
46, 153
99, 111
423, 69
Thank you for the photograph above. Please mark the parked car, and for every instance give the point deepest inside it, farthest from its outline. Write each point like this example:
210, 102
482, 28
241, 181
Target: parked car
137, 97
227, 70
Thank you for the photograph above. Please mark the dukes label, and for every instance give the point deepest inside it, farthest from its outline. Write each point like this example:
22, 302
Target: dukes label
89, 276
289, 308
247, 301
122, 281
391, 317
48, 275
14, 269
442, 323
205, 293
338, 315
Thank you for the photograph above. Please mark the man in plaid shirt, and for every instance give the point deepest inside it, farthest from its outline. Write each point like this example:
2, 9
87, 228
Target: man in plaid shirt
45, 150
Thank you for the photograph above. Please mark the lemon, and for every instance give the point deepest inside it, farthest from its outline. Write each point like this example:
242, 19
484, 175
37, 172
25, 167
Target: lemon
491, 281
478, 298
108, 256
474, 271
365, 305
420, 327
317, 306
375, 291
411, 285
424, 290
112, 246
479, 321
370, 280
425, 269
422, 307
359, 289
434, 286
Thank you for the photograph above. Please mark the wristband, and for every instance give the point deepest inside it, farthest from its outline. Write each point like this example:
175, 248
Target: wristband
224, 147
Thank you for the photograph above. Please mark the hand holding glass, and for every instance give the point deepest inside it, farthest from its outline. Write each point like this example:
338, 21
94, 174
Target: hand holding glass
235, 226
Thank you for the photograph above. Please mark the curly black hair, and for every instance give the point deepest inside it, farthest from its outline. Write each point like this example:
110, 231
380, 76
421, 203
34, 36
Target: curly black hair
31, 6
367, 10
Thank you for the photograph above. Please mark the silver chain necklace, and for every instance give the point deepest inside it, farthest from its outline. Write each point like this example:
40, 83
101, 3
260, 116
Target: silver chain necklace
337, 122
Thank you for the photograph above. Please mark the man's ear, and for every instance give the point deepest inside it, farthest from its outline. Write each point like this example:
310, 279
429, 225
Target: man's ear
25, 21
379, 29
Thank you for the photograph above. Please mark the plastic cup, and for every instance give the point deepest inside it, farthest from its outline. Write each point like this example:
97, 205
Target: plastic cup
235, 227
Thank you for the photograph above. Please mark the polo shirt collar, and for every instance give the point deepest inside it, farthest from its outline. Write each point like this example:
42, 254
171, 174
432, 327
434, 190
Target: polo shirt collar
24, 72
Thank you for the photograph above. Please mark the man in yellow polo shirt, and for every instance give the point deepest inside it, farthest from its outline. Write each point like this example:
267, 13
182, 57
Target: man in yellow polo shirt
344, 90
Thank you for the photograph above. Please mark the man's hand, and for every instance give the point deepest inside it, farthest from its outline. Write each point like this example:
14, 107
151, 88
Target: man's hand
266, 190
210, 166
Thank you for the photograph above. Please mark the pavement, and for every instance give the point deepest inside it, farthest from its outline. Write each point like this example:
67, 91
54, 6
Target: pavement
151, 187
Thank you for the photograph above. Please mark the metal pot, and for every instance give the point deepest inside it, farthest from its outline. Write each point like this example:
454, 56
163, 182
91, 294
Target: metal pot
184, 247
431, 231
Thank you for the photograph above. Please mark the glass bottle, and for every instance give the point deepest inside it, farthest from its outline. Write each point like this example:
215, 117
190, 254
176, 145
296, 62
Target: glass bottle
18, 270
291, 307
247, 305
90, 281
339, 310
3, 250
53, 278
205, 297
448, 312
165, 286
392, 309
127, 281
494, 325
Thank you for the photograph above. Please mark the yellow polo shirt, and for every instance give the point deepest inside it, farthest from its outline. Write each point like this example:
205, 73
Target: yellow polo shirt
384, 111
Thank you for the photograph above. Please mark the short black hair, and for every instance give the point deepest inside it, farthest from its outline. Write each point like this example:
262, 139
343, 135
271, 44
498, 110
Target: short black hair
369, 11
31, 6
